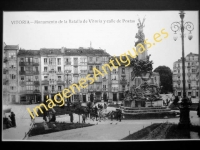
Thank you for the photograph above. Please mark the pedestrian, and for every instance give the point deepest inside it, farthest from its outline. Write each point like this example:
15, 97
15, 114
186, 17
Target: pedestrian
71, 117
96, 112
120, 115
83, 118
111, 116
53, 119
12, 117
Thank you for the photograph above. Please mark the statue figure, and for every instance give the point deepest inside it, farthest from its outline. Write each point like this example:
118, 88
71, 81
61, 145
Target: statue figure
140, 35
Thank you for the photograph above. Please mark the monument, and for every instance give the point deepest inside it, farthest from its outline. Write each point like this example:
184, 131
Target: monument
143, 92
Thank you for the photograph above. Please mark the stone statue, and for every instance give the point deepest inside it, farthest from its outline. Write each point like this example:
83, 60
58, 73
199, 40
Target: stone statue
140, 35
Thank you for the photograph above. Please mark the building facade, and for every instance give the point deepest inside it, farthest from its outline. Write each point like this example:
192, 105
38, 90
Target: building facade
36, 75
191, 76
10, 74
29, 76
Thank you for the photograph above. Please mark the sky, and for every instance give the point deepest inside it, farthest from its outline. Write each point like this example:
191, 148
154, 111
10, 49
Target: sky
113, 31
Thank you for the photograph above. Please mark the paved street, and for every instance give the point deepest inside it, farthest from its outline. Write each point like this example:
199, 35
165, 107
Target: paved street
105, 130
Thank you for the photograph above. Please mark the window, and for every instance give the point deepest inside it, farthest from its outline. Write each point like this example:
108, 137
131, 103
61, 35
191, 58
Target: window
59, 77
36, 78
59, 88
178, 71
22, 78
75, 79
104, 86
52, 87
75, 61
45, 61
97, 67
12, 76
45, 77
90, 68
197, 94
45, 69
12, 87
59, 69
52, 61
59, 61
75, 69
29, 88
12, 55
36, 60
46, 88
21, 59
22, 69
193, 70
90, 59
123, 70
188, 64
189, 86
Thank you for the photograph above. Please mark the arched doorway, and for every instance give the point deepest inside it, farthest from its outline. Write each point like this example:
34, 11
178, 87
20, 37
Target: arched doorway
91, 97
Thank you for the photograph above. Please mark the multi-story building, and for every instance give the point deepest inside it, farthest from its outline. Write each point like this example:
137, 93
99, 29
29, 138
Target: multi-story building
10, 74
191, 76
29, 79
52, 72
35, 75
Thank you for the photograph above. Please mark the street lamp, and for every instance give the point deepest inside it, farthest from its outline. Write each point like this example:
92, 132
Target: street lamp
185, 104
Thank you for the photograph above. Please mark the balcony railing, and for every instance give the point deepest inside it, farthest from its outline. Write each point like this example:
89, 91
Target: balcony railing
90, 62
45, 82
36, 91
36, 72
22, 63
104, 89
22, 72
60, 82
35, 64
123, 81
68, 63
114, 72
75, 63
5, 59
90, 71
52, 71
28, 63
59, 72
36, 83
5, 70
114, 81
22, 83
47, 91
75, 72
45, 73
67, 71
114, 89
83, 71
189, 74
104, 79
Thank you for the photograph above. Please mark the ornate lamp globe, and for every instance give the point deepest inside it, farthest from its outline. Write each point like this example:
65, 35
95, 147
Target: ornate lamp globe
175, 37
190, 36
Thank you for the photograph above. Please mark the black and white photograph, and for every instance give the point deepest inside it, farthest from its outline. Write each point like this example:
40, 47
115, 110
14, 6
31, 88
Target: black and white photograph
96, 75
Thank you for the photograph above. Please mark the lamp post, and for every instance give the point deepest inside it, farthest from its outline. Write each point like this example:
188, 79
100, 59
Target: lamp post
184, 121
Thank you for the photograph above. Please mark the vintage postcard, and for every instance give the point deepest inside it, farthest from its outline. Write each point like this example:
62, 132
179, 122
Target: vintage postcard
100, 75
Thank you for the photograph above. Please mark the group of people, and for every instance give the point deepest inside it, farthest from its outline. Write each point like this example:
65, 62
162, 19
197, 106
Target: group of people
10, 120
117, 115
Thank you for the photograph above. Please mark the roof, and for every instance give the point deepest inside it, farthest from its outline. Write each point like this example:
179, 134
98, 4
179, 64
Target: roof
85, 52
118, 58
192, 54
11, 47
50, 51
29, 53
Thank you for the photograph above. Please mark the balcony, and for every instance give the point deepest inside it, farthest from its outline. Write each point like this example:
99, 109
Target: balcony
97, 63
90, 62
35, 64
98, 89
28, 63
104, 89
60, 82
67, 71
114, 72
114, 81
5, 81
47, 91
36, 91
189, 81
36, 72
84, 71
75, 63
52, 71
22, 83
22, 72
124, 82
97, 81
45, 73
45, 82
76, 73
22, 63
59, 72
115, 89
104, 79
90, 71
179, 74
5, 70
36, 83
68, 63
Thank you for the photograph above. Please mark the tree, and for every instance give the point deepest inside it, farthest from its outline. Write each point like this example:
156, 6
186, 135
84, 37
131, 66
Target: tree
165, 78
